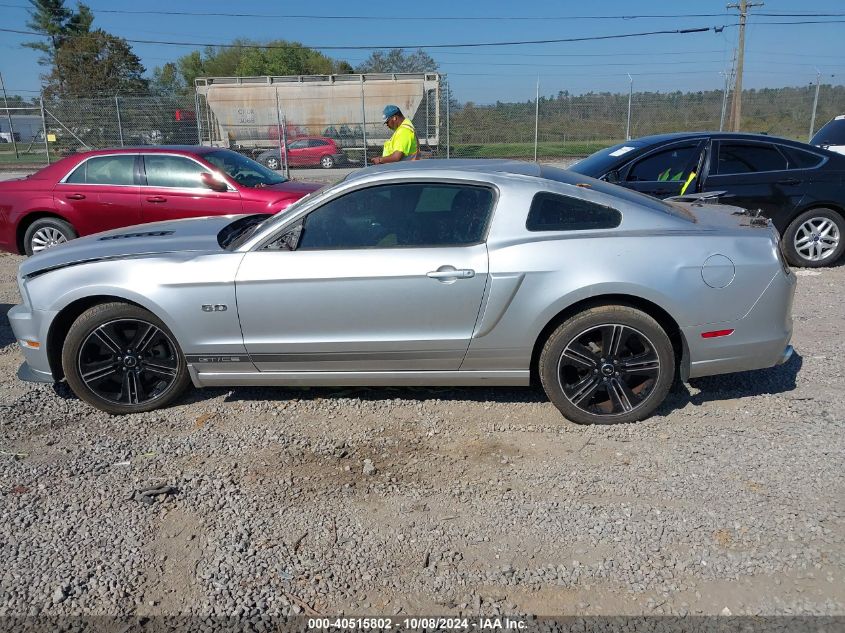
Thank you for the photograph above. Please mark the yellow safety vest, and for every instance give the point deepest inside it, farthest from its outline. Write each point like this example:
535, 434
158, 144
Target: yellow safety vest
404, 139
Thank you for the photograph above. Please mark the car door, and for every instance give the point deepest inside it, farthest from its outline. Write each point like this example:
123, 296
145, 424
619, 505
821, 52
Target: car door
171, 188
298, 153
755, 175
664, 171
383, 278
102, 193
317, 148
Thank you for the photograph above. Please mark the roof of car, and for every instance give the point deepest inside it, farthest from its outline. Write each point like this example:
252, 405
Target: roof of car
188, 149
656, 139
484, 165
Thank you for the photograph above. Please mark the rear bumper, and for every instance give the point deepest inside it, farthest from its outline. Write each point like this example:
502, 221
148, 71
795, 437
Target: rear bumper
760, 339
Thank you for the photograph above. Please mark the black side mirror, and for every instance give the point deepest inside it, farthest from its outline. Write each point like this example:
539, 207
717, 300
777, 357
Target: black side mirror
612, 176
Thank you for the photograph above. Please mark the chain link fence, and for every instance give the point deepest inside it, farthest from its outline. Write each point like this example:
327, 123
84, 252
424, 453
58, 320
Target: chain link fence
293, 122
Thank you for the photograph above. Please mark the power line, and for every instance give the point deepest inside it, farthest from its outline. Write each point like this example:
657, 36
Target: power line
383, 17
409, 46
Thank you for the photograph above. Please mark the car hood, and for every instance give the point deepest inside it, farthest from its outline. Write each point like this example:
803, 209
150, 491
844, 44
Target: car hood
193, 234
292, 186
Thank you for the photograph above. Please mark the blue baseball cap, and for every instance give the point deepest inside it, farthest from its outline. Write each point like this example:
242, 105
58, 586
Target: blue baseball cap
389, 111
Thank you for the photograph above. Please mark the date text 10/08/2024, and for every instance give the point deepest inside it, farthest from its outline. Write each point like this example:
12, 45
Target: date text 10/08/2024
385, 623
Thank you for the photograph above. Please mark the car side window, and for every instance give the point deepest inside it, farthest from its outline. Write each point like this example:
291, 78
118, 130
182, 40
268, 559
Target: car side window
298, 145
316, 143
105, 170
404, 215
554, 212
748, 158
670, 164
164, 170
801, 159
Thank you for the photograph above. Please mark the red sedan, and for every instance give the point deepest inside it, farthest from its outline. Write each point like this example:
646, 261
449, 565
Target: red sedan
107, 189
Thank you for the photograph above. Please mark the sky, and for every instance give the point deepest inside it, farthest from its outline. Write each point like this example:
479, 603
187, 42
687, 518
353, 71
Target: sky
776, 55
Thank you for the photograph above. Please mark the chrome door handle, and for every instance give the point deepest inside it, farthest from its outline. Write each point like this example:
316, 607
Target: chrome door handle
463, 273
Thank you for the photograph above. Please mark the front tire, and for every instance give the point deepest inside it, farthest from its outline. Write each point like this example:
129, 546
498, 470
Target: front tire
815, 238
123, 359
45, 233
607, 365
327, 162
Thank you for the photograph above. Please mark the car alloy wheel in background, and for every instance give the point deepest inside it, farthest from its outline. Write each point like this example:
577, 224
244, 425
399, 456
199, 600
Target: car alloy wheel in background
815, 238
45, 233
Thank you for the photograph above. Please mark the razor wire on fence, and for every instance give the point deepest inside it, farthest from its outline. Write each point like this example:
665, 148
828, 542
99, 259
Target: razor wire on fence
277, 116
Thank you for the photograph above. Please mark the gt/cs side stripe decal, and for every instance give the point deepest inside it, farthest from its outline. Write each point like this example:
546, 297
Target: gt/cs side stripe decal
322, 357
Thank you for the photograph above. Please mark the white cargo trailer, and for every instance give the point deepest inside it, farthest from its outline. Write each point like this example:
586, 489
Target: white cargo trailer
249, 113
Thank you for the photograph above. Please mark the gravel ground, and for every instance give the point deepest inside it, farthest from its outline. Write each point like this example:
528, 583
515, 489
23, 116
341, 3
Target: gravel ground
421, 501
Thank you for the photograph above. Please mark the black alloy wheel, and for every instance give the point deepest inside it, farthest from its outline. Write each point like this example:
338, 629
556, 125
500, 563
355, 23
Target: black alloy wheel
122, 359
607, 365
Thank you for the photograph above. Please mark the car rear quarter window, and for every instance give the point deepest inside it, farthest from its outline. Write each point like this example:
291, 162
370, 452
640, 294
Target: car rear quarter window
749, 158
554, 212
801, 159
105, 170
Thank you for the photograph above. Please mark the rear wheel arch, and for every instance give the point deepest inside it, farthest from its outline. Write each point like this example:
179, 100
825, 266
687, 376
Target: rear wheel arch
659, 314
27, 220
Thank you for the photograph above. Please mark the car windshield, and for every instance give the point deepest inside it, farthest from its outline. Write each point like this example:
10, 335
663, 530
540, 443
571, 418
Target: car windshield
833, 133
243, 170
598, 164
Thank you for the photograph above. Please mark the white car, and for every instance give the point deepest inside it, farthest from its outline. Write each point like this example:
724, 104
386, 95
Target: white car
832, 135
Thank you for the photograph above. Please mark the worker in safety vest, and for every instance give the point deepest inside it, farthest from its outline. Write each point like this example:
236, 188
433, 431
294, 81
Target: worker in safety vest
403, 144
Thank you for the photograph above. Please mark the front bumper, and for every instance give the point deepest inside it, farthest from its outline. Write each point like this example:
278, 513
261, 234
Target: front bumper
31, 325
760, 338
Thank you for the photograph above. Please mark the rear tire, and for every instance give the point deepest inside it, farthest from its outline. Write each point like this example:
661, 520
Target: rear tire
45, 233
327, 162
815, 238
123, 359
271, 162
607, 365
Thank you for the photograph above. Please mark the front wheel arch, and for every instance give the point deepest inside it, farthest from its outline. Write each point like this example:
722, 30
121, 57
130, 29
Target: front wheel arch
663, 318
60, 326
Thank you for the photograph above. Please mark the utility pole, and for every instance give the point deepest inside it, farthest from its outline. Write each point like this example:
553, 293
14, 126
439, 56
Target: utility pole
815, 105
736, 104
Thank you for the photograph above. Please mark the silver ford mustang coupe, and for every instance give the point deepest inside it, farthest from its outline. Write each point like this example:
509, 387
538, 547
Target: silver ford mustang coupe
424, 273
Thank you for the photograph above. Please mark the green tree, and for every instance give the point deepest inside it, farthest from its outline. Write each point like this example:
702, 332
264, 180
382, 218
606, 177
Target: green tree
166, 81
52, 19
397, 61
247, 58
99, 62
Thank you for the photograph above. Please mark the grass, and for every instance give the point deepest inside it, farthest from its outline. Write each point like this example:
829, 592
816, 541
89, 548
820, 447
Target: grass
526, 150
27, 159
